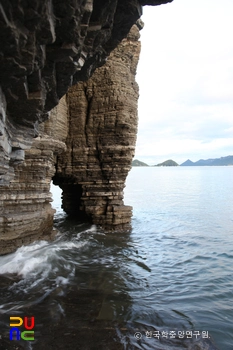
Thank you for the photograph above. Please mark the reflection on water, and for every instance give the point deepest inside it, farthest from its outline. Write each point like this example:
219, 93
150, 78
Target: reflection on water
166, 285
83, 288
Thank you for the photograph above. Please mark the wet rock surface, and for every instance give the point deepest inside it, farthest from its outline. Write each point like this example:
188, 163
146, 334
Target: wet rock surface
45, 48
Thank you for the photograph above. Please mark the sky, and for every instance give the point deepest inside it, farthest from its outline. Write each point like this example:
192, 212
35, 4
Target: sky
185, 77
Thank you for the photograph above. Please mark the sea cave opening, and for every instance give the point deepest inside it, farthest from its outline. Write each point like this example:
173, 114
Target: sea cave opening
67, 198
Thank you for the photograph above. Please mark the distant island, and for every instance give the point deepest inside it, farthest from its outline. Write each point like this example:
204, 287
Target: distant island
210, 162
136, 162
223, 161
168, 162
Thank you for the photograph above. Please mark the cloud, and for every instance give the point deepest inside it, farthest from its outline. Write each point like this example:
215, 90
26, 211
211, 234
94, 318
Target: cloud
185, 76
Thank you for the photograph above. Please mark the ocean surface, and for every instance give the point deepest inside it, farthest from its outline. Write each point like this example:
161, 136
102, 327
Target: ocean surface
167, 284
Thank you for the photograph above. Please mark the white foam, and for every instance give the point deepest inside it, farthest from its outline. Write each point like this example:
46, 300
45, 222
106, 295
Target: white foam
62, 311
22, 261
39, 259
60, 280
71, 244
92, 229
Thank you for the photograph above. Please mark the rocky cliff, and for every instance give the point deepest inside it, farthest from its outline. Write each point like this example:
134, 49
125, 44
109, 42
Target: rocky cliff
101, 140
45, 48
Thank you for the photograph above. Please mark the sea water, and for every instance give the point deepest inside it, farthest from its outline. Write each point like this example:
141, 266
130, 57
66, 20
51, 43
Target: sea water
166, 284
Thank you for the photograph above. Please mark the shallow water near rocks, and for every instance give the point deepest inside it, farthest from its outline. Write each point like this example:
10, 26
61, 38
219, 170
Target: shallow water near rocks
166, 284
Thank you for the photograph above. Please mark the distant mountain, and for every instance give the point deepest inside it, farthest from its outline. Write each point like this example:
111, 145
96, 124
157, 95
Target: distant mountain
187, 163
136, 162
168, 162
204, 162
210, 162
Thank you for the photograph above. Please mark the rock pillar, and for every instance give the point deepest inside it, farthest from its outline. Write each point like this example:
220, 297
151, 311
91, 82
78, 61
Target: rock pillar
86, 146
101, 139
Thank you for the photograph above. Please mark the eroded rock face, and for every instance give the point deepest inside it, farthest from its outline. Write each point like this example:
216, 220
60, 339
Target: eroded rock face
101, 140
87, 146
45, 48
26, 212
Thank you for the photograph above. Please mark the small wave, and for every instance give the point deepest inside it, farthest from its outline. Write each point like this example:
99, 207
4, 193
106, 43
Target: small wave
225, 255
60, 280
39, 257
22, 261
92, 229
142, 265
192, 260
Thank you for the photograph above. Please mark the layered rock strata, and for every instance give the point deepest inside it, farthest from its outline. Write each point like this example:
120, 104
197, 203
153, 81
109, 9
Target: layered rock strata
101, 140
25, 205
45, 48
86, 145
